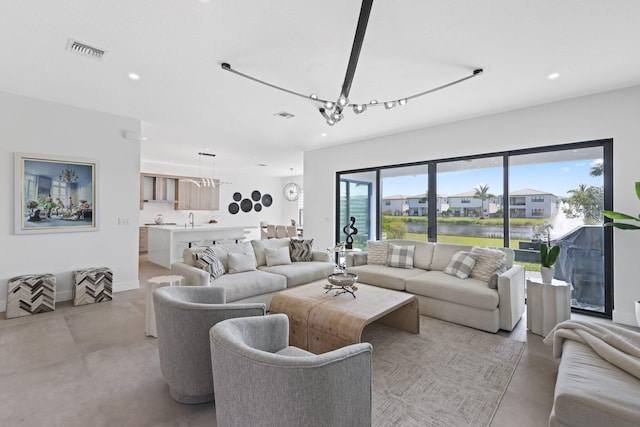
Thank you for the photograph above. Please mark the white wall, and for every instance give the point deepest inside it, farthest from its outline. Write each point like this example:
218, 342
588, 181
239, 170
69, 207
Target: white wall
33, 126
280, 212
607, 115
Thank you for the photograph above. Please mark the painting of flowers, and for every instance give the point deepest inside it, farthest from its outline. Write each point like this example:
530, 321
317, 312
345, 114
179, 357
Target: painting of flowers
55, 194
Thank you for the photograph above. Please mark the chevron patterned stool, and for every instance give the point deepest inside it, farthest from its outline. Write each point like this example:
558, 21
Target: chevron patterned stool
30, 294
92, 285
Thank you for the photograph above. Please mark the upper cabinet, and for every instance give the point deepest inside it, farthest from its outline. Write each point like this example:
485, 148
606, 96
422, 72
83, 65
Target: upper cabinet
195, 195
185, 193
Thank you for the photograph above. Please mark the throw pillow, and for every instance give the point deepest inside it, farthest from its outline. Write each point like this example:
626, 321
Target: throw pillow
400, 256
277, 256
461, 264
489, 260
209, 262
301, 250
377, 252
239, 262
493, 280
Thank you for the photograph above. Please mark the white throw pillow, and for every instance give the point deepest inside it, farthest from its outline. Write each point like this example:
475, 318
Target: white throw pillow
489, 260
461, 264
400, 256
239, 262
277, 256
377, 252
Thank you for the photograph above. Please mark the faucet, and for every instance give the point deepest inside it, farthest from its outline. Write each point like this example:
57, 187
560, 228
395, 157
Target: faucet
191, 219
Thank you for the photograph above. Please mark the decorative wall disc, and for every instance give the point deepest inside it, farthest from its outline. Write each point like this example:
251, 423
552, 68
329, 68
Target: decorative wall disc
255, 196
267, 200
246, 205
237, 197
233, 208
257, 207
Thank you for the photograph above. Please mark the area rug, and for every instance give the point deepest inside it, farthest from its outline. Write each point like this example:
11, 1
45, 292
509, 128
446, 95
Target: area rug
448, 375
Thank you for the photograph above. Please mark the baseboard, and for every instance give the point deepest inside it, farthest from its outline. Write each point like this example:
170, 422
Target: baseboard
126, 286
624, 317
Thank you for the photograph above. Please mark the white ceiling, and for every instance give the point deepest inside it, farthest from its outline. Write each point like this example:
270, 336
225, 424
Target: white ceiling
188, 104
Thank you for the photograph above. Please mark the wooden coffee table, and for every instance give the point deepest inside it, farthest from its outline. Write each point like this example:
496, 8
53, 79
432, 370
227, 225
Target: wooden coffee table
321, 322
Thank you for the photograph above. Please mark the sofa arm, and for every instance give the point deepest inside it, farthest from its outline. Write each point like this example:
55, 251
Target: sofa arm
320, 256
511, 294
354, 259
192, 276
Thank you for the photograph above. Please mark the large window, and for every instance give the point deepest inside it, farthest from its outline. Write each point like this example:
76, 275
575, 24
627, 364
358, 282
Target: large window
472, 189
515, 199
405, 204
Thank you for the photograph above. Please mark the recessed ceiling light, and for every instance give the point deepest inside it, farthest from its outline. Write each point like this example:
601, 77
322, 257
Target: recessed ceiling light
553, 76
323, 134
134, 76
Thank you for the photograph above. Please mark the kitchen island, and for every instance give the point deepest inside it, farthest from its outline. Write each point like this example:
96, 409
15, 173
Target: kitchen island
167, 242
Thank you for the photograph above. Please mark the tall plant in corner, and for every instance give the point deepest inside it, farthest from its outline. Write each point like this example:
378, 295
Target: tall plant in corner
617, 216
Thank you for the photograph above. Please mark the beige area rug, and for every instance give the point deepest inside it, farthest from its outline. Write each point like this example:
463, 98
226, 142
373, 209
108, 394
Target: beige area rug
448, 375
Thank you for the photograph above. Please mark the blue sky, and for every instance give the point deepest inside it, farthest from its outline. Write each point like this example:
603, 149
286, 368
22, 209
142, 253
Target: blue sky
556, 178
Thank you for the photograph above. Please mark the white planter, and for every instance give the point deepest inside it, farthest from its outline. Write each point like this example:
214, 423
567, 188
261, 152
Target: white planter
547, 274
638, 312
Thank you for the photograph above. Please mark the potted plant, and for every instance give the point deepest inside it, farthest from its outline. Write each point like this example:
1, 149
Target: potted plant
617, 216
548, 257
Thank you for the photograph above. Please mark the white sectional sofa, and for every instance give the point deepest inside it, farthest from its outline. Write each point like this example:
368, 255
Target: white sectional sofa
470, 302
259, 283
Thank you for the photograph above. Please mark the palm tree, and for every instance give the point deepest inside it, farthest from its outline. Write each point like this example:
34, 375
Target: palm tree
482, 193
585, 202
597, 169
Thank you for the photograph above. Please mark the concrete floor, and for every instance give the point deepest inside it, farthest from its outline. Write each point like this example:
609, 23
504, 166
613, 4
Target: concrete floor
92, 366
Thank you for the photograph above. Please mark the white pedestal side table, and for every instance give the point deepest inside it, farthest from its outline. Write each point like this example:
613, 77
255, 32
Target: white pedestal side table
547, 305
153, 284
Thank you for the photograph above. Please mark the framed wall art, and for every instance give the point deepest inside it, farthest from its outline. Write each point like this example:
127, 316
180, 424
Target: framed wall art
55, 194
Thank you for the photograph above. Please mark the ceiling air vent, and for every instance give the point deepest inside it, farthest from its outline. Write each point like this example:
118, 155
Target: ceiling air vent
86, 50
284, 115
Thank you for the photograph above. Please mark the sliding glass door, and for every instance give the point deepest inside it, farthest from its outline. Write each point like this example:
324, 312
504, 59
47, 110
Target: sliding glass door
515, 199
557, 198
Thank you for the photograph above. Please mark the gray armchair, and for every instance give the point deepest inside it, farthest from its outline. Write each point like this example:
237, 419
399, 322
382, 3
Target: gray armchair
261, 380
184, 316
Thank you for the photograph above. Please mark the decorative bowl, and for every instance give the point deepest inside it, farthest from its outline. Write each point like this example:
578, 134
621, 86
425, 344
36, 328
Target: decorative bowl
342, 279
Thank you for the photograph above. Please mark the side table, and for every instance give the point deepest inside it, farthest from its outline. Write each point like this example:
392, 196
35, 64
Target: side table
153, 284
547, 305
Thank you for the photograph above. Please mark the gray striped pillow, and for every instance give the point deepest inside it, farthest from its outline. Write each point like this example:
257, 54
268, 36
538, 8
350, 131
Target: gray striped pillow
489, 260
209, 262
377, 252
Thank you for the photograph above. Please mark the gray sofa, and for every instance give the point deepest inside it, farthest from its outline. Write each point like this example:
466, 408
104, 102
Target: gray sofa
470, 302
258, 285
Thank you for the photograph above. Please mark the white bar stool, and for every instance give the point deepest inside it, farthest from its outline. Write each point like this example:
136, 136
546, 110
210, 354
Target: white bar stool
153, 284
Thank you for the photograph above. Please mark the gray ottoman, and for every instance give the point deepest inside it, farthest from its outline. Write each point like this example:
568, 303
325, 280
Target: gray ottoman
92, 285
30, 294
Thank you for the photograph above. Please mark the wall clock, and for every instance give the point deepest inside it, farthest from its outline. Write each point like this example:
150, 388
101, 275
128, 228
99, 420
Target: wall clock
291, 191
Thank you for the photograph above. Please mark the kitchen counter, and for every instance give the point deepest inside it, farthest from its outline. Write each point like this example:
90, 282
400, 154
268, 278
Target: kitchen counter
167, 242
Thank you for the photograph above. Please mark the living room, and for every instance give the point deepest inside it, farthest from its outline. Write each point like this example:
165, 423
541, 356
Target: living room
40, 118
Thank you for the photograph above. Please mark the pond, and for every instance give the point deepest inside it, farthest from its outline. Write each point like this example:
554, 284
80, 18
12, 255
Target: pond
517, 233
